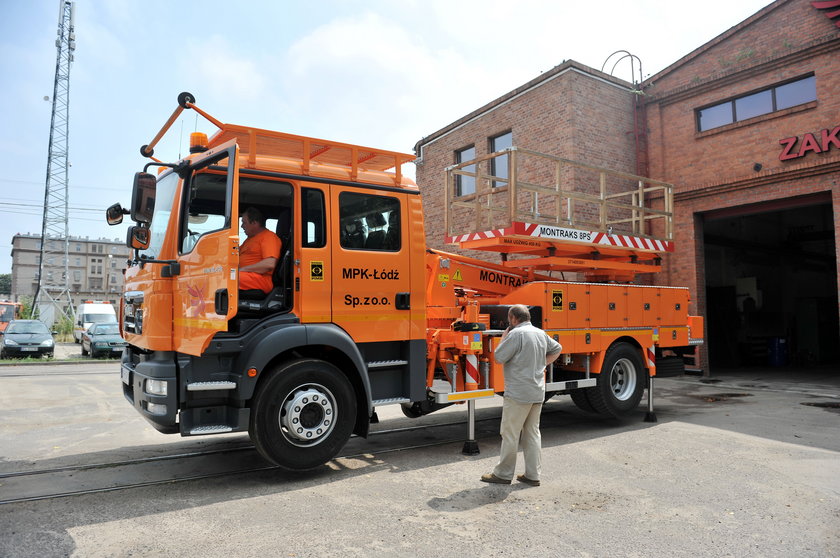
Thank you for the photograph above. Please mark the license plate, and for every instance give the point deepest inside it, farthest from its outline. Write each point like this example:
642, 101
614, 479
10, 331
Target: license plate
29, 349
126, 376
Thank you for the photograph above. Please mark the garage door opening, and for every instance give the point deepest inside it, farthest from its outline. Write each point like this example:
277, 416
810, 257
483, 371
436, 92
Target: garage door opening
771, 286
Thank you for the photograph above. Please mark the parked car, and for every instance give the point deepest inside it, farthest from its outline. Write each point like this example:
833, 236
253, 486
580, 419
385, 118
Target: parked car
24, 338
102, 340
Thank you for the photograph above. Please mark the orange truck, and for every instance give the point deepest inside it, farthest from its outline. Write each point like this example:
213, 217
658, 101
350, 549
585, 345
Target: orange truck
8, 311
362, 313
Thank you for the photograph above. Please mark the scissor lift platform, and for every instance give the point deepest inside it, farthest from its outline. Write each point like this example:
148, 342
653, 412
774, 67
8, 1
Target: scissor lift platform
546, 213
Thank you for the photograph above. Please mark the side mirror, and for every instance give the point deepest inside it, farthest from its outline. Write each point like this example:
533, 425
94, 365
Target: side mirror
114, 214
143, 197
139, 237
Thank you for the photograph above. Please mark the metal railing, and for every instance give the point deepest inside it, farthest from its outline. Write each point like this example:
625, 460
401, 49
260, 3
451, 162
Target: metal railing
534, 187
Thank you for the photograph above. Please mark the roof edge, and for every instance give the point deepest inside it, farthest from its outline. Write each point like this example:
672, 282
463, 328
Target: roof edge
714, 42
545, 76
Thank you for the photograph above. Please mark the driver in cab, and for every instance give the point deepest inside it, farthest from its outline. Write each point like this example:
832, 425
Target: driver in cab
258, 254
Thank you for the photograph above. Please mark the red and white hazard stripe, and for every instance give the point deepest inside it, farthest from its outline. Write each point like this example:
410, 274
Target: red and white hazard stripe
533, 230
651, 360
633, 242
471, 370
476, 236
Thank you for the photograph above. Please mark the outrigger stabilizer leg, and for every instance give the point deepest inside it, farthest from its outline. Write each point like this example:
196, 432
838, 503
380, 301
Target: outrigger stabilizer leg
650, 416
470, 446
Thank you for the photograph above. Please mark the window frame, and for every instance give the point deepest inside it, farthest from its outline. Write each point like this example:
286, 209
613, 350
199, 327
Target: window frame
494, 162
459, 179
732, 101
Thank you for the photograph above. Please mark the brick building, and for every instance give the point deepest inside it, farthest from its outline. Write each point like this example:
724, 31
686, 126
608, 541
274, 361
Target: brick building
747, 129
96, 267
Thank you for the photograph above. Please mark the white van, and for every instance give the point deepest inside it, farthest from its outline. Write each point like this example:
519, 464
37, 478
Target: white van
92, 312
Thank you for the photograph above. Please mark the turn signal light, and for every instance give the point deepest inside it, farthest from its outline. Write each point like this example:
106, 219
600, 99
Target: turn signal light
198, 142
252, 372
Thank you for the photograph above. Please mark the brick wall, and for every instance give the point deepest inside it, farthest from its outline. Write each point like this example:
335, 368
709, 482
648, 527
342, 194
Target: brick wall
715, 169
572, 111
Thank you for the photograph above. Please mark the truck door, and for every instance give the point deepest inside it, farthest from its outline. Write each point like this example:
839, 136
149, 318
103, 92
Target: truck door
205, 290
370, 265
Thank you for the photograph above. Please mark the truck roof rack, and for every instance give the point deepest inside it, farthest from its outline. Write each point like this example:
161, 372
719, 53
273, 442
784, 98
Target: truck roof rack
306, 152
554, 214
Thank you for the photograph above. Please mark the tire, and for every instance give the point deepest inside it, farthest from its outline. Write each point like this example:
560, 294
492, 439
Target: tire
621, 383
580, 397
302, 414
668, 367
410, 411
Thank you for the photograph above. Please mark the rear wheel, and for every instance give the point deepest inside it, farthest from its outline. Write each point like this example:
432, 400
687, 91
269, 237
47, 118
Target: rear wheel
303, 414
621, 382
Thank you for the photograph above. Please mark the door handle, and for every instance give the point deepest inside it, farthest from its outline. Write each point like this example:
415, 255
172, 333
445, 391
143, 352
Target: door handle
403, 301
221, 302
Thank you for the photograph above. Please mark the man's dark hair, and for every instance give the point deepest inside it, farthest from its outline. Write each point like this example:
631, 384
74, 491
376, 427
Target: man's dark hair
255, 215
520, 312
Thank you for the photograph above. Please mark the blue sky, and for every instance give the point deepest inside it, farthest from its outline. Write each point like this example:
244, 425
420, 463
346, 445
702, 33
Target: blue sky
379, 73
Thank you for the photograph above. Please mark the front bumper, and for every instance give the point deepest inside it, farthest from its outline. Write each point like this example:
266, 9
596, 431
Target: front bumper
107, 350
23, 351
160, 410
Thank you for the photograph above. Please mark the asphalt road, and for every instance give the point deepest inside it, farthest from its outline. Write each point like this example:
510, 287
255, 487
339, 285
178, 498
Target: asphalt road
747, 466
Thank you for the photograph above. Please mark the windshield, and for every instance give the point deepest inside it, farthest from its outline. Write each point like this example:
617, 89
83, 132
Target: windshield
164, 198
27, 327
98, 318
106, 329
7, 313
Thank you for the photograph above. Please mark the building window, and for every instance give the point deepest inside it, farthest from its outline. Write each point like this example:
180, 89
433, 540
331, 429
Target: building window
77, 275
78, 247
79, 261
465, 185
499, 165
369, 222
772, 99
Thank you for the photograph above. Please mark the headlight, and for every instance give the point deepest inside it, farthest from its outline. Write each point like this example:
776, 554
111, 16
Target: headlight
9, 342
156, 387
100, 344
48, 343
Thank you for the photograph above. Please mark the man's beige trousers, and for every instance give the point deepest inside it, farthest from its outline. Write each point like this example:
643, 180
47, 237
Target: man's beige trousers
519, 418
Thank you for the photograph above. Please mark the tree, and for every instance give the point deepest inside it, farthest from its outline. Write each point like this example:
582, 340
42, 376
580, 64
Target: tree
5, 284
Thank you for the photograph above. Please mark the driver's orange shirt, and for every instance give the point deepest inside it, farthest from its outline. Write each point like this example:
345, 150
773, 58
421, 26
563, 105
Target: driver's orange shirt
262, 245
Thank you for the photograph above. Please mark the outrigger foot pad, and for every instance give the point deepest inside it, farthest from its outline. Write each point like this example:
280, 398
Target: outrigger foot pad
470, 448
650, 417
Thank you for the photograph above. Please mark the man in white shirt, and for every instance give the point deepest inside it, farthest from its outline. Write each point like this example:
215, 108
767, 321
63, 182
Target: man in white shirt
524, 351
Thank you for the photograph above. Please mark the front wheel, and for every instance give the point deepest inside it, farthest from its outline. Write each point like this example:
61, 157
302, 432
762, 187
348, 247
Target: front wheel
621, 382
303, 414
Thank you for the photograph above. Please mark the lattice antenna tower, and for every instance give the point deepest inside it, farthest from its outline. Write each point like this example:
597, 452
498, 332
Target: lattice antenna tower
52, 298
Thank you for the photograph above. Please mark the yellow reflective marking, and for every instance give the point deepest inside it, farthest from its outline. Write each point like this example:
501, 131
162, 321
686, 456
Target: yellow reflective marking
464, 395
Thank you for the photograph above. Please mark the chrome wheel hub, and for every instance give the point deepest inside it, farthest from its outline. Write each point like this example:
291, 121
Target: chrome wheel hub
623, 379
307, 415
